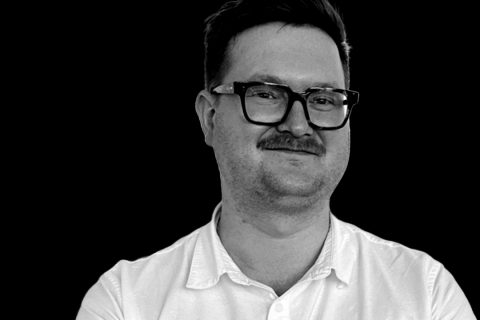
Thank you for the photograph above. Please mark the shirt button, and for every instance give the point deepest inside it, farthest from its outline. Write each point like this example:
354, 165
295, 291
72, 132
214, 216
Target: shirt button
279, 307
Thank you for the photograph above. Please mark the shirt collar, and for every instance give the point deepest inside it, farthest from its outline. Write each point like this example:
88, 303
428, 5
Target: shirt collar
210, 258
345, 251
337, 255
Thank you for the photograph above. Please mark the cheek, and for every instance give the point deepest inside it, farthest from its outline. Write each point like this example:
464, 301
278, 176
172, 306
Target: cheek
234, 139
337, 144
336, 139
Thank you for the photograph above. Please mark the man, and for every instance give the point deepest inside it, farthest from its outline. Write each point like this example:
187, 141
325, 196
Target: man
275, 111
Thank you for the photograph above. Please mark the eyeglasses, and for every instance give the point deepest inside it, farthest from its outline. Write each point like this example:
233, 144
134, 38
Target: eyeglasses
267, 103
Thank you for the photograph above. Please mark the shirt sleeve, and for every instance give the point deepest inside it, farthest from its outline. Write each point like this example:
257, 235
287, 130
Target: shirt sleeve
448, 300
102, 301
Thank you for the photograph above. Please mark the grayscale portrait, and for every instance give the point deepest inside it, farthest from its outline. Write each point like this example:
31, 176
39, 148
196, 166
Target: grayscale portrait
275, 115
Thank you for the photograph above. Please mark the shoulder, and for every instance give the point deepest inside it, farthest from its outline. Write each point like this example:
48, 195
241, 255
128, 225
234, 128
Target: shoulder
384, 257
368, 243
133, 287
162, 263
410, 279
161, 269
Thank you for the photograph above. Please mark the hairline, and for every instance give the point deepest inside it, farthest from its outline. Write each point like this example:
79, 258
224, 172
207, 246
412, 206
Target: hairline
226, 63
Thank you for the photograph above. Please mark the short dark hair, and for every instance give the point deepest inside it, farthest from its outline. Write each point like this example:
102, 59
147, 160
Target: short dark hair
236, 16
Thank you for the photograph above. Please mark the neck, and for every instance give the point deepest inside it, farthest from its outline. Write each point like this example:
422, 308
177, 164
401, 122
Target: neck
276, 249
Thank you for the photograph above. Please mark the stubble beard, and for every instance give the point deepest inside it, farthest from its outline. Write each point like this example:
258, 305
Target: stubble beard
288, 193
266, 189
270, 191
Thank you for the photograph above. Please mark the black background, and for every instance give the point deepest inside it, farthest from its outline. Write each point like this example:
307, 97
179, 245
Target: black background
128, 172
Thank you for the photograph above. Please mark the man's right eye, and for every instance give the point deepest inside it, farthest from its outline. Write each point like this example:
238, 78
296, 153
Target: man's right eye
263, 93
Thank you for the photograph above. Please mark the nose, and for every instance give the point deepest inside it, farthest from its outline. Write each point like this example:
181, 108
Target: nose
296, 122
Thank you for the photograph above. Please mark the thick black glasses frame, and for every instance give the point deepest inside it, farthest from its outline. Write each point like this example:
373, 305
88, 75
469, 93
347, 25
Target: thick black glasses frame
240, 89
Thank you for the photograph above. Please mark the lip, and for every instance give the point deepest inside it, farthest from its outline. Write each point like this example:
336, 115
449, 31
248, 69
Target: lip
293, 151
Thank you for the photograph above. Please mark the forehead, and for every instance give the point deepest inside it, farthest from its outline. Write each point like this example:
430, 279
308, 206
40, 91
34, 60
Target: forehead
301, 56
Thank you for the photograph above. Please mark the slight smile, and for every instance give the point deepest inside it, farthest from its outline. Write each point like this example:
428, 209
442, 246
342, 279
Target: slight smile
293, 151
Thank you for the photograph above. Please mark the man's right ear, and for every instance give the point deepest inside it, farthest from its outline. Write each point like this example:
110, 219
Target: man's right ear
205, 107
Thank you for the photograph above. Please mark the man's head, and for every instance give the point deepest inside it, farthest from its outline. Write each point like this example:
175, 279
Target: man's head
291, 165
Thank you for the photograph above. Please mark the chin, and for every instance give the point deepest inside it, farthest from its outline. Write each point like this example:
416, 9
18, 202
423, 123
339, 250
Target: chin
292, 186
291, 195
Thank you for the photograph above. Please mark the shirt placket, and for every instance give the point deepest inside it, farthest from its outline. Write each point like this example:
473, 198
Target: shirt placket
279, 310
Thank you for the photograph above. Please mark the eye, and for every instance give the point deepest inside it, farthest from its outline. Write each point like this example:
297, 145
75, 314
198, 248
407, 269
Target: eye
322, 100
326, 100
263, 93
322, 103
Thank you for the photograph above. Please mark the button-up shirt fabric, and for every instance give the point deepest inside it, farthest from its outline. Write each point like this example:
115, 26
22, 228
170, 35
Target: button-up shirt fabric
356, 276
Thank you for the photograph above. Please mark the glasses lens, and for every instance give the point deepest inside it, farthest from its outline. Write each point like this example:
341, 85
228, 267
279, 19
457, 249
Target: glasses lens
327, 108
266, 103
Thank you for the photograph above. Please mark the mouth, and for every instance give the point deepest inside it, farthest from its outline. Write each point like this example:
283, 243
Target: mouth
293, 151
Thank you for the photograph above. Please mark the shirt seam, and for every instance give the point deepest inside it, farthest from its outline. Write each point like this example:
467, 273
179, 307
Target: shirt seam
372, 238
114, 283
430, 284
89, 310
380, 241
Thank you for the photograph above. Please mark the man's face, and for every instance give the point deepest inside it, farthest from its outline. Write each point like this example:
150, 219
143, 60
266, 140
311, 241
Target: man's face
261, 164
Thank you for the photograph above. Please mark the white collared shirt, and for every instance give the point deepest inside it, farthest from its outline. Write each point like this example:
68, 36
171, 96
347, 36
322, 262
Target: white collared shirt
356, 276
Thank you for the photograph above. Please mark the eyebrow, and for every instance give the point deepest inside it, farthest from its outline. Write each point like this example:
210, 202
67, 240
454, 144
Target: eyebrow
262, 77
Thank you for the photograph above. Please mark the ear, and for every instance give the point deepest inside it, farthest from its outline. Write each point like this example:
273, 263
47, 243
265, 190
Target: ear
205, 107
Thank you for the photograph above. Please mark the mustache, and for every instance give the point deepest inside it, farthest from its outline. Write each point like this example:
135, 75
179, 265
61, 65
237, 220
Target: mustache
289, 142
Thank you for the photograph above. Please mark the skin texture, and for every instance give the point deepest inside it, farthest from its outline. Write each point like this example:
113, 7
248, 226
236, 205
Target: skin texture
275, 201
